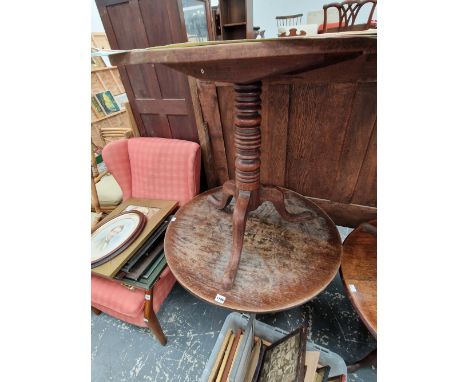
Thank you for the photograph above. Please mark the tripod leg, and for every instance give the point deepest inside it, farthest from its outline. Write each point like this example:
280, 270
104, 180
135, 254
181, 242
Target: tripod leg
276, 196
227, 192
239, 219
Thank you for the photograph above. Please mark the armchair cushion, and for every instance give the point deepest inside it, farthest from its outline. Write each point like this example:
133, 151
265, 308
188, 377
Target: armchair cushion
110, 297
109, 191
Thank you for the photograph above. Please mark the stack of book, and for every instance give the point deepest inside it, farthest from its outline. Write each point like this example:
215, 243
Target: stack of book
285, 360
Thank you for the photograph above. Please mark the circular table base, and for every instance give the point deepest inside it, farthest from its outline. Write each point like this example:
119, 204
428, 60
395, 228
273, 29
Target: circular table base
282, 265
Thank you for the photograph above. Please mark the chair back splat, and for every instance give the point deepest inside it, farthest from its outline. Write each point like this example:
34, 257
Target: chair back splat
348, 12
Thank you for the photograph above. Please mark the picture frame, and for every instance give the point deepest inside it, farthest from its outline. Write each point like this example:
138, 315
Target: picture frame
111, 238
107, 102
284, 360
96, 107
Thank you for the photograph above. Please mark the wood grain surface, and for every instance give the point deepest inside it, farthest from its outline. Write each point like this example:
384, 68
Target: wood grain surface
359, 274
319, 134
252, 60
283, 264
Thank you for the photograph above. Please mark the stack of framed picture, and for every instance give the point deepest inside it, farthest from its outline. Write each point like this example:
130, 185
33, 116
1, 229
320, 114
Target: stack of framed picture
110, 119
250, 351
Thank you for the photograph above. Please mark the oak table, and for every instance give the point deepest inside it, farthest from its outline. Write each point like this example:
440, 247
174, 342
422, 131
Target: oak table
359, 274
284, 264
246, 63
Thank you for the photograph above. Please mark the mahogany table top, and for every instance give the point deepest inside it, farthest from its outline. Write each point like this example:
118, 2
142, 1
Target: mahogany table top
283, 264
359, 274
242, 61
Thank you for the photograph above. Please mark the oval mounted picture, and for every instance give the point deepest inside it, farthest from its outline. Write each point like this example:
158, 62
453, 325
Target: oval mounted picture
113, 237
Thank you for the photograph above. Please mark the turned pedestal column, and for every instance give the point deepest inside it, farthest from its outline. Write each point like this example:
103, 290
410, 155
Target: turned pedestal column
249, 194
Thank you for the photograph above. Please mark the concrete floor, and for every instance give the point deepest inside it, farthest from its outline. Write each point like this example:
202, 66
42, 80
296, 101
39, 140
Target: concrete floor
123, 352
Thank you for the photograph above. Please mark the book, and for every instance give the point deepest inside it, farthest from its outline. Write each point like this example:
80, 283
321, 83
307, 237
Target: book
97, 108
107, 101
311, 362
231, 355
219, 357
258, 367
225, 358
236, 354
253, 361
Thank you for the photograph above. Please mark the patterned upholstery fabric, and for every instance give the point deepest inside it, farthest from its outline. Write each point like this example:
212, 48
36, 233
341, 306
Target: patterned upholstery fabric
151, 168
115, 157
155, 168
127, 305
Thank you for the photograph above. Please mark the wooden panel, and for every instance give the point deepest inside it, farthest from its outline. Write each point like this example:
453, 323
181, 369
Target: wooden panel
156, 125
366, 187
275, 119
356, 142
318, 138
159, 106
180, 127
203, 136
226, 104
348, 215
159, 96
211, 115
318, 119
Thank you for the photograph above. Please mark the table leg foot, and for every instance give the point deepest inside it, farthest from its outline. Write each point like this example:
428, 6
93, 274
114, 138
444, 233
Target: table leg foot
275, 195
227, 192
239, 219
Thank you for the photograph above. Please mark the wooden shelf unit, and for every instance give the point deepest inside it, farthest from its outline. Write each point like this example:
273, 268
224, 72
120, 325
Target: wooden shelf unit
112, 126
236, 19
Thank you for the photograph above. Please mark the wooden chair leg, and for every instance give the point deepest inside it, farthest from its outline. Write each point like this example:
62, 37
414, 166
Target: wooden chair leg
96, 311
239, 219
275, 195
151, 319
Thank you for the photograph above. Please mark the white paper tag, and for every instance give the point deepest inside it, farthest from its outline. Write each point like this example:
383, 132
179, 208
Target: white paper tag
352, 288
147, 297
220, 299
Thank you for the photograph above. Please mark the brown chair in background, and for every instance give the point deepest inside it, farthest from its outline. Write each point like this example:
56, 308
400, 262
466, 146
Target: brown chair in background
283, 21
348, 11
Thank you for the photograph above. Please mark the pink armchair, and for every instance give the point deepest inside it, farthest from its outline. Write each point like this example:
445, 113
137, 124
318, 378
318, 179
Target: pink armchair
150, 168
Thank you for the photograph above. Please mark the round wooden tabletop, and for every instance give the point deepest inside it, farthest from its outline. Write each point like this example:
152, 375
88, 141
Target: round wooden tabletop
359, 273
282, 265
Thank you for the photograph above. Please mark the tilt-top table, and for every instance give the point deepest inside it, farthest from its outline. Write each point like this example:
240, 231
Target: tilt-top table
245, 63
359, 274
